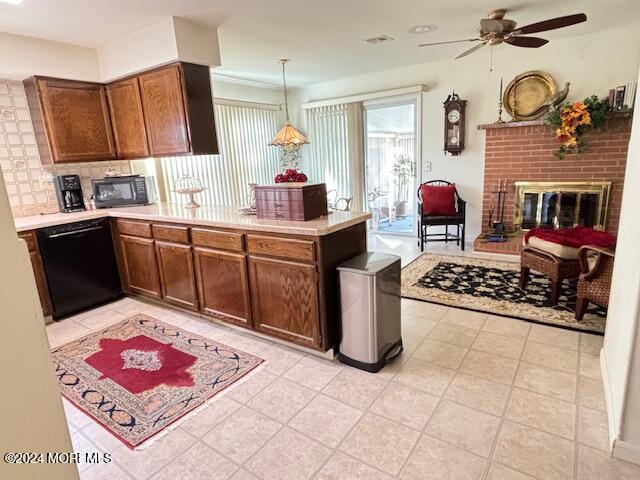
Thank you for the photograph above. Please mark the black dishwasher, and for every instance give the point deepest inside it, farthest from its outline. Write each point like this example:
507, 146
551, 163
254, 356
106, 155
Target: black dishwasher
80, 265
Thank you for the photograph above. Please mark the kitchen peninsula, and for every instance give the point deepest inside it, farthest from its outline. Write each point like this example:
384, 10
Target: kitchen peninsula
276, 277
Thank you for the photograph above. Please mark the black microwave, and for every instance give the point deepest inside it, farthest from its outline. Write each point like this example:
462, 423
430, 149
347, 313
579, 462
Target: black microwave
119, 191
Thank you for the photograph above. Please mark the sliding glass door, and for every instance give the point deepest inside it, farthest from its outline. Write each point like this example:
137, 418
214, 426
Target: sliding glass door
391, 164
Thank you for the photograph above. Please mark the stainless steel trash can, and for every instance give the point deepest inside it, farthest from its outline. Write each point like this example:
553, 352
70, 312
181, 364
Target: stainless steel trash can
370, 308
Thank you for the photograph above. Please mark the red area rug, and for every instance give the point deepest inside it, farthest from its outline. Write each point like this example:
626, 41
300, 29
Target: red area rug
139, 376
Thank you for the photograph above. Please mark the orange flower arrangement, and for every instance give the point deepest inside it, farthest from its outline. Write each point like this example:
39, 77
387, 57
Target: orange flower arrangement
572, 117
572, 120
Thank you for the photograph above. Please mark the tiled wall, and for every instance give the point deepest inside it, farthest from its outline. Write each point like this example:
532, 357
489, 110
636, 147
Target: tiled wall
20, 162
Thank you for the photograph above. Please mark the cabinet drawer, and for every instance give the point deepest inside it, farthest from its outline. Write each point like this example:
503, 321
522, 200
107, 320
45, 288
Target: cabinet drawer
281, 247
30, 238
217, 240
136, 229
171, 233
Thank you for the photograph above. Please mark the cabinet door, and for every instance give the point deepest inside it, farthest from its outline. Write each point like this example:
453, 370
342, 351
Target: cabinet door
284, 296
177, 277
139, 258
41, 283
127, 119
223, 286
76, 117
164, 111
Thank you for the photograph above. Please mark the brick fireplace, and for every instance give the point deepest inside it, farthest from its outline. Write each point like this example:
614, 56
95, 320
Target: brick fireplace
523, 152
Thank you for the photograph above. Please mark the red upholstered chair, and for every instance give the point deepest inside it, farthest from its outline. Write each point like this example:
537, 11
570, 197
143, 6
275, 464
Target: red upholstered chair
448, 209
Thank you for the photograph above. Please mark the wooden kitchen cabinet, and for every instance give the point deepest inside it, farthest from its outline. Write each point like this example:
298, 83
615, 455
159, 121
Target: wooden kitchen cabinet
41, 283
178, 110
70, 119
223, 286
177, 277
38, 271
140, 265
284, 297
127, 118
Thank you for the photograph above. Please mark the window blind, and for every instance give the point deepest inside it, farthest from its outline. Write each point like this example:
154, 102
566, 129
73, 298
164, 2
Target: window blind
245, 157
328, 159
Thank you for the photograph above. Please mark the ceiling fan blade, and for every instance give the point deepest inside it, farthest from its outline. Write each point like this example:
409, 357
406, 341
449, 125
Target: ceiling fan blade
552, 24
491, 25
452, 41
471, 50
528, 42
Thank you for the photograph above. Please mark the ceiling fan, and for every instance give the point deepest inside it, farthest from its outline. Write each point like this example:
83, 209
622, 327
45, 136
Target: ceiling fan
496, 30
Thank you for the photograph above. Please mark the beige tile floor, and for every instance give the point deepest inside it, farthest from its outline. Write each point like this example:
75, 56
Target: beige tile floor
473, 396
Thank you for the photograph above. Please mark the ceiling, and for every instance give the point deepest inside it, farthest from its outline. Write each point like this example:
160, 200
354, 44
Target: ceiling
323, 38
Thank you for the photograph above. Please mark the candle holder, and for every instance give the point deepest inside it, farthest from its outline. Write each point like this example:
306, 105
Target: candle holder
500, 120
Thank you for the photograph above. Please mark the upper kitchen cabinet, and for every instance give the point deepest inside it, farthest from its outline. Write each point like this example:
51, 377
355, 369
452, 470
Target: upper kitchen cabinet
71, 120
127, 118
178, 110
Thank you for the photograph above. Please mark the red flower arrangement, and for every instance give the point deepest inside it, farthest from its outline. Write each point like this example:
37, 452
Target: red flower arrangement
291, 175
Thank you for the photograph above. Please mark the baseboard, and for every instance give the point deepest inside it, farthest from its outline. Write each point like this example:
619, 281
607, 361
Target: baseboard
620, 449
626, 451
608, 400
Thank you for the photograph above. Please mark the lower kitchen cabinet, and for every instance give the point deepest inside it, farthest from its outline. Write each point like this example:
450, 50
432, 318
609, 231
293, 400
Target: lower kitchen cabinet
38, 272
177, 278
41, 283
223, 286
141, 267
284, 297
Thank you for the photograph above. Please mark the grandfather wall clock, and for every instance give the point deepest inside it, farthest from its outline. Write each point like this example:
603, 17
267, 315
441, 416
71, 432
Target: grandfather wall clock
454, 124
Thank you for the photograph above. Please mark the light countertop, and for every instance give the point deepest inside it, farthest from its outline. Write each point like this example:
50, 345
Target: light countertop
218, 216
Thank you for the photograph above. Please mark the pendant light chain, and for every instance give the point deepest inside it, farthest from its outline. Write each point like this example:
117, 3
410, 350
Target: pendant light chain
284, 84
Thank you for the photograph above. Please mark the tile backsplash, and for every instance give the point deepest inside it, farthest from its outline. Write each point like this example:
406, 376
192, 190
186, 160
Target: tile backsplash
24, 175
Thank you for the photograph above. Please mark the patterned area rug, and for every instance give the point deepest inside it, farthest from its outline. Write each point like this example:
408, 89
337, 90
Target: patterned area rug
492, 286
139, 376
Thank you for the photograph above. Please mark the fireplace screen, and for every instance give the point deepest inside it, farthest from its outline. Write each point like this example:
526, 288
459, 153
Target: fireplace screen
561, 204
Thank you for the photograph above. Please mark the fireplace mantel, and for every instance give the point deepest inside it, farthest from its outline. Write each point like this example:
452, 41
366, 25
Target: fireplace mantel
527, 123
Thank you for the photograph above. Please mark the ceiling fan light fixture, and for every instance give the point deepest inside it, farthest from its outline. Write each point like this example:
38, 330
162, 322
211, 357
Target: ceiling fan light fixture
420, 29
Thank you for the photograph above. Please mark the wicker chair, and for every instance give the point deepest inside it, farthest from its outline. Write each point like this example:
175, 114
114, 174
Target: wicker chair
555, 268
343, 204
594, 284
425, 221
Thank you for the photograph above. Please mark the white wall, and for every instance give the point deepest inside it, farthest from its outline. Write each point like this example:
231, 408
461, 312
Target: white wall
165, 41
247, 93
31, 411
620, 357
21, 57
592, 63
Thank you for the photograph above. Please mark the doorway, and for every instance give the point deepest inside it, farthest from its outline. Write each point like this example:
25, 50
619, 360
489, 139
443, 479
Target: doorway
391, 154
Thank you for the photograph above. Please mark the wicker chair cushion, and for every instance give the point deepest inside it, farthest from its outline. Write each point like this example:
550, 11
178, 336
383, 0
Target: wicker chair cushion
560, 251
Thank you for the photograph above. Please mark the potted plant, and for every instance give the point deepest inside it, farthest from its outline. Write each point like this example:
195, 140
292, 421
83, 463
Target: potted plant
402, 172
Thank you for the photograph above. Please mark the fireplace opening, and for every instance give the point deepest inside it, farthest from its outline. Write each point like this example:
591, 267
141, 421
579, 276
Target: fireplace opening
561, 204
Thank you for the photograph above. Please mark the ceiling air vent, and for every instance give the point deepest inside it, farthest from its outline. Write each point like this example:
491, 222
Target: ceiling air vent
379, 39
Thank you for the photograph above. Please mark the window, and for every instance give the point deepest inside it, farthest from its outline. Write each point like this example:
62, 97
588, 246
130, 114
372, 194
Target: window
245, 157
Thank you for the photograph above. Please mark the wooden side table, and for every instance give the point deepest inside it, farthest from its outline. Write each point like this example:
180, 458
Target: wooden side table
555, 268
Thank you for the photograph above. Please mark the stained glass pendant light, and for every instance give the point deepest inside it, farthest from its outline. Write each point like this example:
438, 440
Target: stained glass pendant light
288, 136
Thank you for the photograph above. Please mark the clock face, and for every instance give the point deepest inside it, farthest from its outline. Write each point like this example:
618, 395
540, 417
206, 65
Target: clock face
453, 116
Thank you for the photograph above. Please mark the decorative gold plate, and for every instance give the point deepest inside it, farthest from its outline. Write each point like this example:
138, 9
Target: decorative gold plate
529, 95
